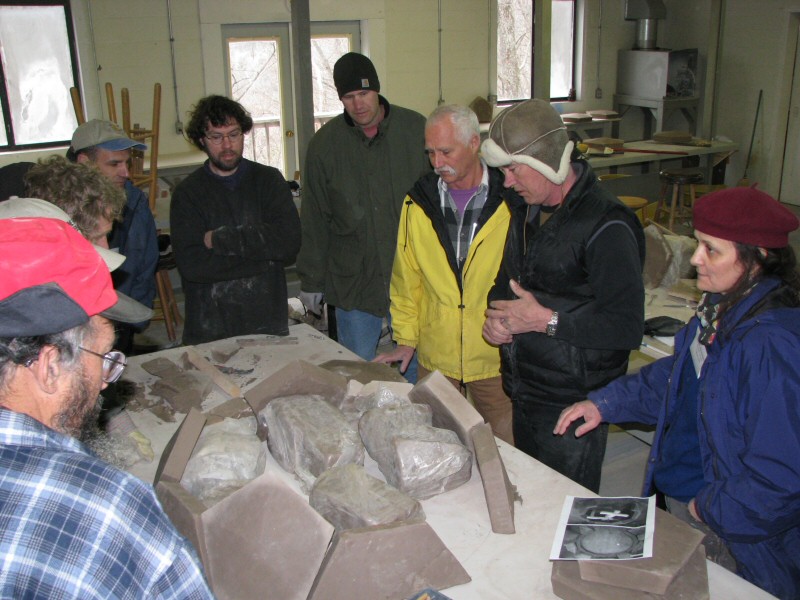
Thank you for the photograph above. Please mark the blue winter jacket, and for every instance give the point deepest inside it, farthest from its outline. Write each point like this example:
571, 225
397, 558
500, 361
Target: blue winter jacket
135, 237
749, 428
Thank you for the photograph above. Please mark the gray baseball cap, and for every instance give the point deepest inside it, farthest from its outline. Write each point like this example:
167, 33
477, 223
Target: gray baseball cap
103, 134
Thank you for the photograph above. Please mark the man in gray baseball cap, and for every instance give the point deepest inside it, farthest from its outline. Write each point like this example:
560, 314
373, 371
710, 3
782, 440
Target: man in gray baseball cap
105, 145
104, 135
569, 293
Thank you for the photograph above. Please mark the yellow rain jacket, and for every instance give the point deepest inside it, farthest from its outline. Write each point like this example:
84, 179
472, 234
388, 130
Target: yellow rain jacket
436, 309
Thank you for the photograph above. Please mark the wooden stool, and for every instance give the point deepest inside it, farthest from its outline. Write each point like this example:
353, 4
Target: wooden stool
677, 178
636, 204
169, 312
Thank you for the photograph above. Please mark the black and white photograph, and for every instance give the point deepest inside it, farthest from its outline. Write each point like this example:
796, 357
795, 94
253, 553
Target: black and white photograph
605, 529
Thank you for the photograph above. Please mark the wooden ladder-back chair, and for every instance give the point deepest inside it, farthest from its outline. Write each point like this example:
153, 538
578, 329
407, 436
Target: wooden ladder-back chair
76, 105
167, 308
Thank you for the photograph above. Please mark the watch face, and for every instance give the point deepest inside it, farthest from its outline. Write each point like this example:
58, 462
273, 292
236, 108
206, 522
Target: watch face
552, 324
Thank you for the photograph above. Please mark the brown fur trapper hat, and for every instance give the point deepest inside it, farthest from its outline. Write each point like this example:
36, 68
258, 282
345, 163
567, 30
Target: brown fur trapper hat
530, 133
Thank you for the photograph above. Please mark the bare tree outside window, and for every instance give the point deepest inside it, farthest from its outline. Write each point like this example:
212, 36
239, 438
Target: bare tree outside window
562, 49
256, 83
38, 72
325, 51
515, 49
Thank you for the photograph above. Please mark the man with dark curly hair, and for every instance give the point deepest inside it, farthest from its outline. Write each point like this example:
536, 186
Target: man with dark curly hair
234, 228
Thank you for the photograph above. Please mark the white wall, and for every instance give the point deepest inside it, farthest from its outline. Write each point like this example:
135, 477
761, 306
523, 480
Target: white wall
757, 53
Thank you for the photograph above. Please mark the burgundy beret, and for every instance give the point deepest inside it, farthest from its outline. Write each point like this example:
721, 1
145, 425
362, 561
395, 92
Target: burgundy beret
745, 215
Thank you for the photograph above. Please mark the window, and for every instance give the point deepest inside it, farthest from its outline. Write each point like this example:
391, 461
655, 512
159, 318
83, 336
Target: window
39, 68
515, 49
259, 71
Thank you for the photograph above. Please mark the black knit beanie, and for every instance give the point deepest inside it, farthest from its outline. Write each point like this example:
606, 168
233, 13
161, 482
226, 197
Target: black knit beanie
353, 72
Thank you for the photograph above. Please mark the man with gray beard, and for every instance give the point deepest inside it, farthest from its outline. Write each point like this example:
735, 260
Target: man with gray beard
71, 525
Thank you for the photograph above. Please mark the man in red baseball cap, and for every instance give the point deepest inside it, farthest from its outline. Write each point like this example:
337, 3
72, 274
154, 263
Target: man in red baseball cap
72, 525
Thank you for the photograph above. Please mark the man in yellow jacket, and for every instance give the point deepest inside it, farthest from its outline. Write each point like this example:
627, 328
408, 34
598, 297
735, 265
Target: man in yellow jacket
449, 247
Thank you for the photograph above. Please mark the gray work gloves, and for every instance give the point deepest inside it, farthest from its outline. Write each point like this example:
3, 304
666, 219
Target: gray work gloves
312, 301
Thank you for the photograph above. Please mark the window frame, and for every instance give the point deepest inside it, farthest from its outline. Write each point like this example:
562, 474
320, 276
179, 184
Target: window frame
5, 105
281, 31
575, 50
570, 97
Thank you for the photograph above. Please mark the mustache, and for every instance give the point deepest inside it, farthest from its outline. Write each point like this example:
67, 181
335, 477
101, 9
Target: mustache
445, 171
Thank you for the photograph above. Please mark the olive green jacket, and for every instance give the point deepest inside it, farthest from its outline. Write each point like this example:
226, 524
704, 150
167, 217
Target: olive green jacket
353, 191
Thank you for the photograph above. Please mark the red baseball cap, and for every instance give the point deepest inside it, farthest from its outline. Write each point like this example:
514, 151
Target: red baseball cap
52, 279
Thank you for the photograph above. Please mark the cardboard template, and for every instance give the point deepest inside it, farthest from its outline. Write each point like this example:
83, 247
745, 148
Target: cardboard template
497, 488
386, 562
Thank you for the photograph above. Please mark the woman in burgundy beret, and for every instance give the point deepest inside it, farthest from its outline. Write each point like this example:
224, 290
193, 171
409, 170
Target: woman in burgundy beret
726, 405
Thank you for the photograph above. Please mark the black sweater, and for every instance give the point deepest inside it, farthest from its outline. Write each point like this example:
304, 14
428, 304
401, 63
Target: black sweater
238, 287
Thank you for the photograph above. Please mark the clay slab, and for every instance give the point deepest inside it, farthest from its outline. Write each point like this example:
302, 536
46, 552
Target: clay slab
386, 562
363, 371
497, 488
674, 543
690, 584
450, 409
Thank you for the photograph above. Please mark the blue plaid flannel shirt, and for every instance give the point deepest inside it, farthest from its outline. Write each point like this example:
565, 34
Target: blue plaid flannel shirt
73, 526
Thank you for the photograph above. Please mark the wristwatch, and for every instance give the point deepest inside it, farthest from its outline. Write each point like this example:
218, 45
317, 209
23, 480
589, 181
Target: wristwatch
552, 324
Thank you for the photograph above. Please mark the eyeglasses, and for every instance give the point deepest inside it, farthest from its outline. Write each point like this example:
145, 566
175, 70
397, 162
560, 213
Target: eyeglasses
114, 363
216, 138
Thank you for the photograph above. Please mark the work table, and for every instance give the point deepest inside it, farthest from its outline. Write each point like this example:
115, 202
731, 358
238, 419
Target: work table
502, 567
705, 153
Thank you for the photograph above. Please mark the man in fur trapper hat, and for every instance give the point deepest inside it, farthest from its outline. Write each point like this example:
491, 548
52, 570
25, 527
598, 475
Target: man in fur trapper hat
569, 293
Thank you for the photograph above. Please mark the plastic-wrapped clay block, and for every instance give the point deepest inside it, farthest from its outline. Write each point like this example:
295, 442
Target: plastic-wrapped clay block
306, 435
227, 456
350, 498
353, 406
415, 457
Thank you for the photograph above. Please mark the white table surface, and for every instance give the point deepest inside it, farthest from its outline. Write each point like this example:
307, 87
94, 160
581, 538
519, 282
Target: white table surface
502, 567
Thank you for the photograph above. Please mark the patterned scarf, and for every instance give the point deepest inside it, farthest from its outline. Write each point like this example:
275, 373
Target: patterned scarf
710, 311
709, 314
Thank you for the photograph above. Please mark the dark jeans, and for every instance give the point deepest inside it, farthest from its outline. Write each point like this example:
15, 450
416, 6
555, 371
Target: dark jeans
580, 459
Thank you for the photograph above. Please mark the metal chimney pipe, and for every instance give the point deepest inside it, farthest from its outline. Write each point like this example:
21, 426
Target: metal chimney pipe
646, 14
646, 34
